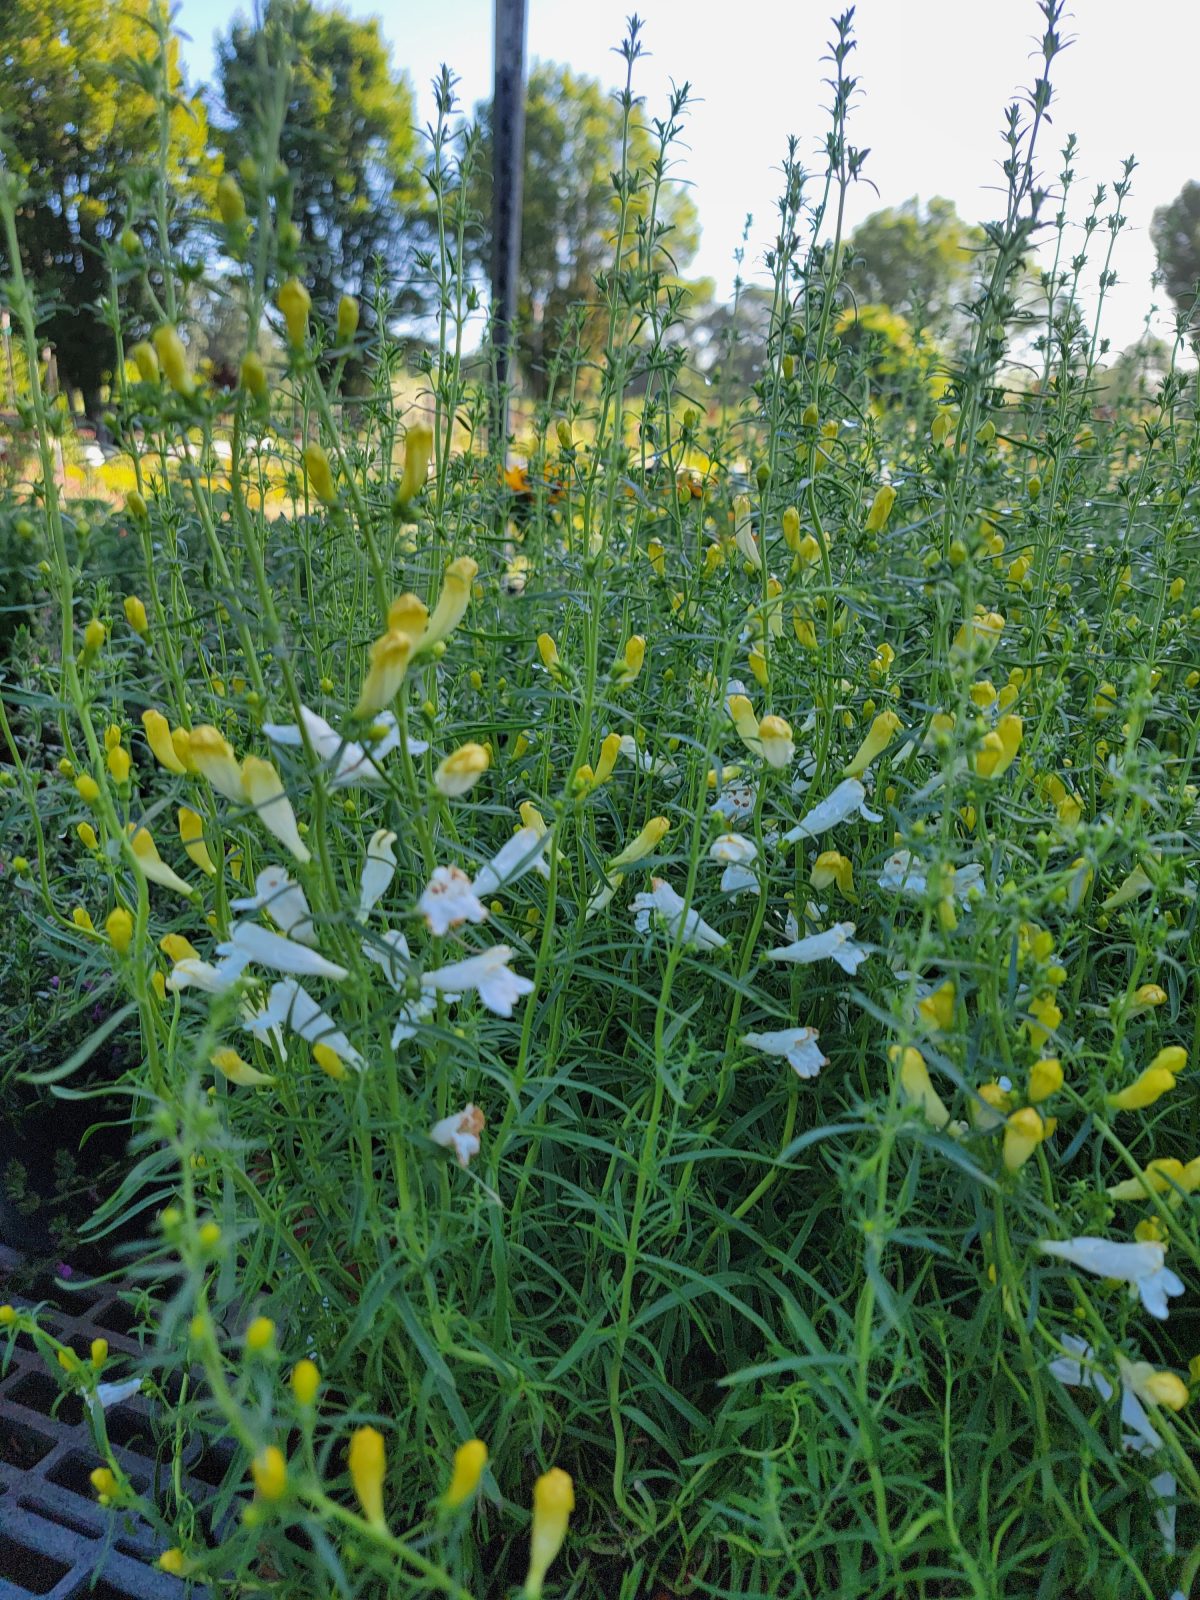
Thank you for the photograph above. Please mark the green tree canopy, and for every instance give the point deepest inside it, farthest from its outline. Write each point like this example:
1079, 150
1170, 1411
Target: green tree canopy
919, 260
80, 82
347, 141
569, 209
1175, 231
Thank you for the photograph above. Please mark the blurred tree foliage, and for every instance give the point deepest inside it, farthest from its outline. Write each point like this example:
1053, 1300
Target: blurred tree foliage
1175, 231
917, 259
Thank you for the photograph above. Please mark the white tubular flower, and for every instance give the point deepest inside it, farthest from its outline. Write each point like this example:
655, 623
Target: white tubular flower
283, 901
835, 944
657, 766
905, 874
662, 905
1141, 1265
448, 901
348, 762
254, 943
602, 897
460, 1133
289, 1005
112, 1394
263, 789
499, 988
735, 802
193, 974
524, 852
378, 869
848, 798
389, 951
737, 853
798, 1046
412, 1014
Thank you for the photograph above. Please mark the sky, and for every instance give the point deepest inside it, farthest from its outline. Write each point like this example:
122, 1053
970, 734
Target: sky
935, 78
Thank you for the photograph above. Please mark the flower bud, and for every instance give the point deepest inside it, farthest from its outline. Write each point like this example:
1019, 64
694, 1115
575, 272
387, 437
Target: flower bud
119, 927
347, 318
254, 375
230, 203
294, 301
553, 1503
144, 359
135, 613
173, 358
320, 476
368, 1467
269, 1471
469, 1461
306, 1382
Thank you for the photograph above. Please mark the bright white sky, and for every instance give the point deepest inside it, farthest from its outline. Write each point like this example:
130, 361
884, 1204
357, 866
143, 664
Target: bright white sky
935, 77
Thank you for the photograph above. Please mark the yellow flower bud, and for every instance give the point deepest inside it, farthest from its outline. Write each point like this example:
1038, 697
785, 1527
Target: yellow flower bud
469, 1462
306, 1382
937, 1009
329, 1061
978, 637
791, 528
452, 603
347, 318
629, 663
881, 508
144, 359
118, 765
173, 1561
104, 1481
228, 1063
418, 447
388, 663
254, 375
94, 636
87, 835
173, 358
610, 749
917, 1086
87, 788
99, 1352
553, 1503
656, 554
135, 504
650, 837
269, 1471
368, 1467
119, 927
294, 301
320, 475
230, 202
260, 1336
135, 614
82, 921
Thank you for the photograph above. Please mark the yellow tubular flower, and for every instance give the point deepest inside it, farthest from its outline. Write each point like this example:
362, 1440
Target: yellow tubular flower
937, 1009
176, 948
1150, 1085
173, 359
87, 788
181, 743
154, 867
452, 603
213, 758
791, 528
656, 553
82, 921
775, 741
1157, 1177
347, 318
269, 1471
758, 666
979, 636
119, 927
553, 1503
408, 614
87, 836
917, 1086
306, 1382
389, 658
462, 770
629, 663
1045, 1078
329, 1062
119, 764
469, 1462
741, 714
99, 1352
235, 1069
647, 840
294, 301
230, 202
1023, 1132
260, 1336
1146, 998
881, 733
610, 749
999, 747
144, 359
531, 817
833, 867
320, 474
881, 509
135, 614
191, 834
418, 447
263, 788
1164, 1388
368, 1467
548, 651
254, 375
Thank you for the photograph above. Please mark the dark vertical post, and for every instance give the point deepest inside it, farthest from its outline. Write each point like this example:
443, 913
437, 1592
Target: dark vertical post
508, 173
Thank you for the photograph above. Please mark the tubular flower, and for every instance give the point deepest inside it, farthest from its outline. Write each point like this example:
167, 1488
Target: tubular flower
917, 1086
143, 356
1045, 1078
736, 853
154, 867
347, 318
979, 636
290, 1004
250, 942
118, 764
524, 852
741, 714
1137, 883
448, 900
173, 359
610, 749
999, 747
460, 1133
835, 944
306, 1382
119, 927
646, 841
848, 799
1152, 1082
367, 1460
548, 651
408, 614
936, 1010
452, 603
379, 867
135, 614
469, 1461
881, 733
284, 903
1142, 1265
798, 1046
832, 867
553, 1503
294, 301
1146, 998
235, 1069
629, 663
263, 788
1023, 1132
656, 554
269, 1471
662, 905
462, 770
775, 742
320, 474
881, 508
418, 446
489, 973
213, 758
158, 737
1153, 1387
191, 834
1157, 1177
389, 658
176, 948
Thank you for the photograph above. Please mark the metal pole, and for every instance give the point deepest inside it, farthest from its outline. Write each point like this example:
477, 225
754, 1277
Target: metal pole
508, 173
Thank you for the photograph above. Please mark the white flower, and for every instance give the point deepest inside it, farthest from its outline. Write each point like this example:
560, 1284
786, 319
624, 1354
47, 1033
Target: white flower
835, 944
489, 973
253, 943
737, 852
655, 765
903, 872
192, 974
849, 797
735, 802
390, 951
665, 907
412, 1014
525, 851
448, 900
351, 763
112, 1394
378, 869
460, 1133
602, 897
797, 1045
290, 1005
1141, 1265
284, 903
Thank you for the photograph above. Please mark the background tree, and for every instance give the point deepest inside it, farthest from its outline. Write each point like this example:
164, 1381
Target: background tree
347, 142
568, 216
80, 82
920, 260
1175, 231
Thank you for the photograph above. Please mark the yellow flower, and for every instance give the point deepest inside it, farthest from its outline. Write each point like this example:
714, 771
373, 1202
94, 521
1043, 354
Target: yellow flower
87, 835
408, 614
610, 749
176, 948
1105, 702
173, 358
191, 834
1045, 1078
230, 203
119, 764
1157, 1177
1146, 998
294, 301
232, 1067
173, 1561
999, 747
94, 636
82, 921
1047, 1017
260, 1336
656, 553
329, 1061
469, 1462
775, 742
104, 1481
99, 1352
306, 1382
1023, 1132
758, 666
553, 1503
629, 663
269, 1471
741, 713
452, 602
368, 1466
347, 318
1157, 1388
881, 508
154, 867
917, 1086
254, 375
833, 867
882, 664
263, 788
1152, 1082
881, 733
135, 614
979, 636
462, 770
805, 630
937, 1009
144, 359
418, 447
647, 840
548, 651
213, 758
119, 927
389, 657
320, 474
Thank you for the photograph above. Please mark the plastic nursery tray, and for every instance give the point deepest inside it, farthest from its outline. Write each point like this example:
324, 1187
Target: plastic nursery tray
55, 1539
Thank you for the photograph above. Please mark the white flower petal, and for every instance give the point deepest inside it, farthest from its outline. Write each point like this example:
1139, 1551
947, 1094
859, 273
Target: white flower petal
283, 901
797, 1045
523, 852
390, 951
665, 907
489, 974
292, 1006
835, 944
460, 1133
266, 949
111, 1394
1140, 1264
378, 869
219, 979
351, 762
448, 900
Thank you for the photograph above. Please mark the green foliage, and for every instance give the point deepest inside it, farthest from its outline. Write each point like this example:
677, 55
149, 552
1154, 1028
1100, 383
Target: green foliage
921, 260
1175, 231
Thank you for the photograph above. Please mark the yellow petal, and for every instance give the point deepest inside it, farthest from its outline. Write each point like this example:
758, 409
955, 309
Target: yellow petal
263, 788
